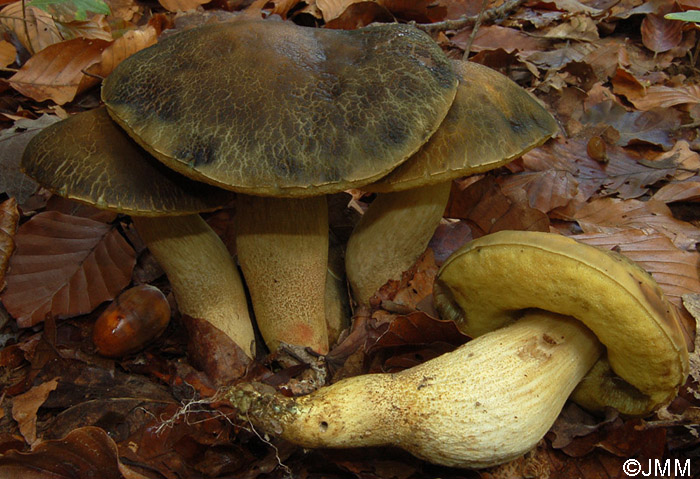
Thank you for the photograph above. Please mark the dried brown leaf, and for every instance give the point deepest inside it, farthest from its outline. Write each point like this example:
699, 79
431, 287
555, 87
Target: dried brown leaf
332, 9
660, 35
65, 266
182, 5
7, 54
653, 126
493, 37
97, 28
610, 215
488, 210
578, 27
123, 47
664, 96
679, 191
123, 9
42, 30
85, 452
359, 15
9, 218
56, 73
545, 190
25, 407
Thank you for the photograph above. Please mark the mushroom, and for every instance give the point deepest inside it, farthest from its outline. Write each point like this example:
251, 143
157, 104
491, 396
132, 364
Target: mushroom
89, 159
646, 358
284, 114
537, 302
491, 122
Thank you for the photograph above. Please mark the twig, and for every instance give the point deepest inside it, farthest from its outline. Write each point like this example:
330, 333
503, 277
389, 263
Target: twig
477, 24
26, 28
464, 21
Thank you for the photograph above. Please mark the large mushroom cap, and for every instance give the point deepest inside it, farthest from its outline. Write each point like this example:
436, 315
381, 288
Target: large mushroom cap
491, 122
90, 159
493, 280
274, 109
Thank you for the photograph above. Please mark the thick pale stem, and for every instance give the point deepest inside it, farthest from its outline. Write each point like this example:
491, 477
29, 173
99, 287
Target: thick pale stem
282, 247
486, 403
391, 235
202, 273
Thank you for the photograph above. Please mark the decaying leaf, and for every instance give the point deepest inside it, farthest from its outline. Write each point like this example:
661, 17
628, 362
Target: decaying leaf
9, 218
679, 191
65, 266
85, 452
56, 73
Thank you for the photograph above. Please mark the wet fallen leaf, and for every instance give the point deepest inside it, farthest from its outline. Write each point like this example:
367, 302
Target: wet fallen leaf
85, 452
9, 218
65, 266
56, 73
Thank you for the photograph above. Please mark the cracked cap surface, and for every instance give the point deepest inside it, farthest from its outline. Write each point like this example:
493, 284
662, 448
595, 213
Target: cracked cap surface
274, 109
491, 122
88, 158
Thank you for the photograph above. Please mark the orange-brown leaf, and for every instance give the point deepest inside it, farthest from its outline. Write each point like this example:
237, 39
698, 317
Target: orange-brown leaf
65, 266
9, 217
85, 452
679, 191
56, 73
181, 5
7, 53
123, 47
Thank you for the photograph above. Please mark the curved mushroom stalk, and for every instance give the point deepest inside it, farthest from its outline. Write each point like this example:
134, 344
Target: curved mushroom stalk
484, 404
282, 246
392, 235
202, 273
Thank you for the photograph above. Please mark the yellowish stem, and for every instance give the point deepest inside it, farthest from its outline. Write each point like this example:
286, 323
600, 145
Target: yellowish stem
282, 246
202, 273
391, 236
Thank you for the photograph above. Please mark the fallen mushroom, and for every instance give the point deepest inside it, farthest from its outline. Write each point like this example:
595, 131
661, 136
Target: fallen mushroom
494, 398
288, 114
491, 122
87, 158
646, 358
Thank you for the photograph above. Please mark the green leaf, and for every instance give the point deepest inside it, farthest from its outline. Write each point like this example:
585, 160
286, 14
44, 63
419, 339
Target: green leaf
689, 16
73, 9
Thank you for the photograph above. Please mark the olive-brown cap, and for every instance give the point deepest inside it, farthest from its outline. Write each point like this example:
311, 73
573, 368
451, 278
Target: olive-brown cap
491, 122
273, 109
494, 279
88, 158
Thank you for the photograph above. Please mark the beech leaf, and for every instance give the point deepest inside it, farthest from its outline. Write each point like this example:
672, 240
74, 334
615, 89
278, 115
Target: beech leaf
65, 266
56, 72
25, 406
